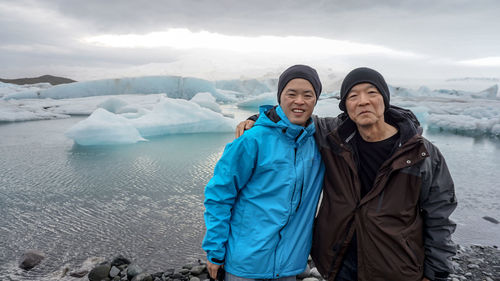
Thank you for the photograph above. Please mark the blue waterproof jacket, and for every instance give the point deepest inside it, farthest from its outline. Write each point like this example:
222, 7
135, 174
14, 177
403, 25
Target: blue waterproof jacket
261, 202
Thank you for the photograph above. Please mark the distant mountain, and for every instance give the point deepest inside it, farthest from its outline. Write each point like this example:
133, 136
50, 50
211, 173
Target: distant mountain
53, 80
492, 79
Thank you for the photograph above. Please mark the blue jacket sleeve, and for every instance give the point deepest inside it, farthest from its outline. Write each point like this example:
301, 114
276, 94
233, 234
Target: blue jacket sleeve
231, 174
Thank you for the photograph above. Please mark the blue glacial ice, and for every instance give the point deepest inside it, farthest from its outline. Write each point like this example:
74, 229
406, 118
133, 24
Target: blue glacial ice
206, 100
254, 102
173, 86
168, 116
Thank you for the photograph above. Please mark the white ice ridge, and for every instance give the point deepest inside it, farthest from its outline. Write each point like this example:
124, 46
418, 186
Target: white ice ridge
206, 100
168, 116
262, 99
173, 86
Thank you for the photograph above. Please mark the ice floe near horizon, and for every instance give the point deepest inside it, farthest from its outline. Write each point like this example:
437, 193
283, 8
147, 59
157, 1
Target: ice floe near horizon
173, 86
206, 100
262, 99
457, 111
168, 116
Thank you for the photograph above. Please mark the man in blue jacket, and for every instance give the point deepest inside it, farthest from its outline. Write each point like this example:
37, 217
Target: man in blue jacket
260, 203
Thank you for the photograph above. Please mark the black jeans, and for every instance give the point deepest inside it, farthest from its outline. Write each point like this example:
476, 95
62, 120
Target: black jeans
349, 269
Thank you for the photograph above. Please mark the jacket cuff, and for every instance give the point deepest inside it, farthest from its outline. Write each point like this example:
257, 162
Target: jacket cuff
215, 260
435, 275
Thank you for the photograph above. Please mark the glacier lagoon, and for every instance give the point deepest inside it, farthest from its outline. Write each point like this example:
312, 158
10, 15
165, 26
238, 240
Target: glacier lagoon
144, 200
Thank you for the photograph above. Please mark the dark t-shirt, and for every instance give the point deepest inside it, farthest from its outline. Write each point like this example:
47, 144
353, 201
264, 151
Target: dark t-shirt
371, 156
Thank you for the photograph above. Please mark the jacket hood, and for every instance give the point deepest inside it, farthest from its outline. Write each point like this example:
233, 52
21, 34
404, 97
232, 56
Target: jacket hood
273, 116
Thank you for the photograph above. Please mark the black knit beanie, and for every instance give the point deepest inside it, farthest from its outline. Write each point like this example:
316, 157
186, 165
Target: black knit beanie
300, 71
364, 75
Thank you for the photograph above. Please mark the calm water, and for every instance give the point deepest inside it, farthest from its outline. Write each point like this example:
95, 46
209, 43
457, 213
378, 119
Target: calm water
145, 200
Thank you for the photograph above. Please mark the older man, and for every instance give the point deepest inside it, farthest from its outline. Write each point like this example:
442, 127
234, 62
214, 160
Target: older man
387, 193
260, 203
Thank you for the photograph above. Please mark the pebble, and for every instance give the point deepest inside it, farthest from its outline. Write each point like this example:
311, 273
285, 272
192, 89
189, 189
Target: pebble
30, 259
475, 262
100, 272
142, 277
315, 273
310, 279
114, 271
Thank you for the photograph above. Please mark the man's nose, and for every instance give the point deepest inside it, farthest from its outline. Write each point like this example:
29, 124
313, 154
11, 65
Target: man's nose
299, 99
363, 99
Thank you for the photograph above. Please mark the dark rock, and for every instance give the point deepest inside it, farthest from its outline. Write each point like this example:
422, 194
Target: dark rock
100, 272
142, 277
490, 219
124, 272
188, 266
198, 269
184, 271
133, 270
169, 272
120, 260
78, 274
203, 276
31, 259
177, 275
116, 278
114, 271
122, 267
157, 274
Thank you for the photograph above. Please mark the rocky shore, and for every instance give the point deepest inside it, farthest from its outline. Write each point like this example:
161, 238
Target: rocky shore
471, 263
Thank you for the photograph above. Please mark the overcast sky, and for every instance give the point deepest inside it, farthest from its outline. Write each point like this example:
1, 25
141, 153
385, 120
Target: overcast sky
213, 39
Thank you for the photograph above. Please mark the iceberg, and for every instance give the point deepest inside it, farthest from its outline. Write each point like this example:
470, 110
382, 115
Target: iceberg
7, 88
262, 99
173, 86
104, 128
168, 116
206, 100
464, 124
249, 86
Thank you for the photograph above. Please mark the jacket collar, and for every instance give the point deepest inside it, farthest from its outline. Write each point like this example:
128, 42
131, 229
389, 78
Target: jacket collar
275, 117
404, 120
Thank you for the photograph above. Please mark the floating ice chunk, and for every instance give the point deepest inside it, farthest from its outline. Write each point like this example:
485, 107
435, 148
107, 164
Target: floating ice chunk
13, 112
168, 116
327, 108
330, 95
250, 86
490, 93
112, 104
206, 100
103, 128
262, 99
173, 86
495, 130
7, 88
178, 116
464, 124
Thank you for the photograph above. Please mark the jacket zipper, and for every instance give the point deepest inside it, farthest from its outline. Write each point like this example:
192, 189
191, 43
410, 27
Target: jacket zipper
281, 229
339, 245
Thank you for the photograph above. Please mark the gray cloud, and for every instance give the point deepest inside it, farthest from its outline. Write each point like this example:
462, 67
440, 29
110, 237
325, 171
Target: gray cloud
49, 30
